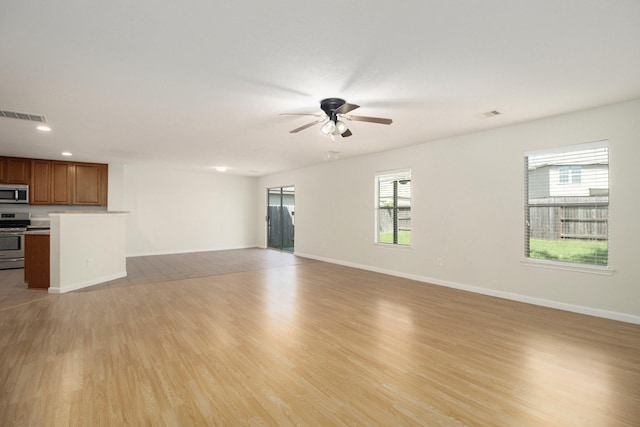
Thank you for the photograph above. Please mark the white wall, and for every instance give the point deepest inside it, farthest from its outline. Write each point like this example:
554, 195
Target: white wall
86, 249
468, 210
116, 191
174, 211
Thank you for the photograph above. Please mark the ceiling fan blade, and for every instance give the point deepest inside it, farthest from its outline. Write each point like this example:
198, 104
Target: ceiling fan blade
346, 107
378, 120
346, 133
308, 125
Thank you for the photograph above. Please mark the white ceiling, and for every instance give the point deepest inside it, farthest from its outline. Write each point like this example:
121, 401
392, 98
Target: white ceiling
194, 84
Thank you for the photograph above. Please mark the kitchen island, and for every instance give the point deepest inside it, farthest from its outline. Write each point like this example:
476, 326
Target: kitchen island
87, 248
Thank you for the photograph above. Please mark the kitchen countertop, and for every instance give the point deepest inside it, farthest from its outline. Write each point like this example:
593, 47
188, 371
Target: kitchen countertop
87, 212
40, 231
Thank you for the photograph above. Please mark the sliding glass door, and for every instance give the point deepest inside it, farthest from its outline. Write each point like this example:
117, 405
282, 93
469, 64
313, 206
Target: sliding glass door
281, 218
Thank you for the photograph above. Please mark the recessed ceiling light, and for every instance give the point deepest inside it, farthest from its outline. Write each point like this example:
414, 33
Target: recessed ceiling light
331, 155
66, 153
221, 168
44, 128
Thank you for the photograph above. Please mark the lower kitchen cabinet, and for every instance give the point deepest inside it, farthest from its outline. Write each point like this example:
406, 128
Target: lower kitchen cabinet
36, 260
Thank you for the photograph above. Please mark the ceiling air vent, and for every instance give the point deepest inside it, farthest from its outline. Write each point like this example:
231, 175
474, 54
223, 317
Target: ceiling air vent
23, 116
488, 114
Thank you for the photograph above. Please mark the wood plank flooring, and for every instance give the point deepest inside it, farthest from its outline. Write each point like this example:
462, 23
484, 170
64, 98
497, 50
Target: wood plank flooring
309, 343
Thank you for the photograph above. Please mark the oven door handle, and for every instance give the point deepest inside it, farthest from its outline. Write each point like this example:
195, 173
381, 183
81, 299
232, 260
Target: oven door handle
11, 233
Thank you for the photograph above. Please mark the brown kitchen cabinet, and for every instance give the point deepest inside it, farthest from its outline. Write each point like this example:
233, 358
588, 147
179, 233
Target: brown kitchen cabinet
36, 260
60, 183
14, 170
68, 183
40, 188
89, 184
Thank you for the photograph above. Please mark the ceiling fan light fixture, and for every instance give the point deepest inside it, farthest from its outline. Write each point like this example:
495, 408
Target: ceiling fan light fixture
328, 128
341, 127
334, 109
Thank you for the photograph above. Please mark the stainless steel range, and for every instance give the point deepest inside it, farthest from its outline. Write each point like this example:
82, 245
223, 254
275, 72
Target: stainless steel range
12, 228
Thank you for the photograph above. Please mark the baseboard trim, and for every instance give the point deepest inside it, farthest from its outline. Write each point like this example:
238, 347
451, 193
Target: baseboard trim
85, 284
590, 311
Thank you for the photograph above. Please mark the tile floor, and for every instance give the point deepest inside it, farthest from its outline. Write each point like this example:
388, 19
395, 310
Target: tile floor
159, 268
13, 290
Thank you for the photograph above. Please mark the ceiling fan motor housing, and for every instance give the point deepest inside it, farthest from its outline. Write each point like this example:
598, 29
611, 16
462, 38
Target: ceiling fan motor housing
330, 105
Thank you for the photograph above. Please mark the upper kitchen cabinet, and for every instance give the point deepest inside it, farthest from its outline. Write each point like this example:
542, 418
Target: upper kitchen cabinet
68, 183
89, 184
14, 170
40, 186
61, 183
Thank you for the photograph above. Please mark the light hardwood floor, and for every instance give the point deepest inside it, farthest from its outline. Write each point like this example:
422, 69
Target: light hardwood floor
309, 343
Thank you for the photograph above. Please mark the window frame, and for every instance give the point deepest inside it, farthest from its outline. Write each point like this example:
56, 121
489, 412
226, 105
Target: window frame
399, 175
555, 264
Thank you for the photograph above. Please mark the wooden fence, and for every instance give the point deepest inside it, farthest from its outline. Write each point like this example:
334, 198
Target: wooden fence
281, 229
385, 219
556, 218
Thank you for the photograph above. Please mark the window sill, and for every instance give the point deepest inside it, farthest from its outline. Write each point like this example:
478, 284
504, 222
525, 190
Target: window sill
568, 266
392, 246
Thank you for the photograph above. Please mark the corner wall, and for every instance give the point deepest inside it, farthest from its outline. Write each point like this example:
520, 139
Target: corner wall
468, 209
86, 249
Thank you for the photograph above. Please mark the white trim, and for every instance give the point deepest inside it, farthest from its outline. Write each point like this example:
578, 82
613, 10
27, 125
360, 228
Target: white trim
603, 143
92, 282
589, 311
395, 174
563, 265
392, 246
568, 266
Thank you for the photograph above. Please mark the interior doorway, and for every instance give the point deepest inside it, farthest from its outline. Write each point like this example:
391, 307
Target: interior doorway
281, 218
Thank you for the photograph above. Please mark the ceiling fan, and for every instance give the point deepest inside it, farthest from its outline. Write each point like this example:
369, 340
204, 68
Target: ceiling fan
335, 111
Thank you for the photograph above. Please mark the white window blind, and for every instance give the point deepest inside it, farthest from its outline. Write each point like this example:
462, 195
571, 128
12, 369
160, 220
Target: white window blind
567, 204
393, 206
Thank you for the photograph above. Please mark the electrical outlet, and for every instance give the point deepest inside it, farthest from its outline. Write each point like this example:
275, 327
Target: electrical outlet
439, 261
89, 262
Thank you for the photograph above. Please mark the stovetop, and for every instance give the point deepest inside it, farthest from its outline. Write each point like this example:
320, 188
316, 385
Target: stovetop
14, 221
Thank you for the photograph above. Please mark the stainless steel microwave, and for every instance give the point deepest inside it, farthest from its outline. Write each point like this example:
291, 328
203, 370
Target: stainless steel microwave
14, 193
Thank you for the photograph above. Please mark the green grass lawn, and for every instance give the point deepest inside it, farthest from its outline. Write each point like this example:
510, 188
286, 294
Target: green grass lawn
581, 251
404, 237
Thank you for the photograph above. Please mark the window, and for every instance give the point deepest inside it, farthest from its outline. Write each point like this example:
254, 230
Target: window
563, 174
570, 174
576, 174
567, 204
393, 219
